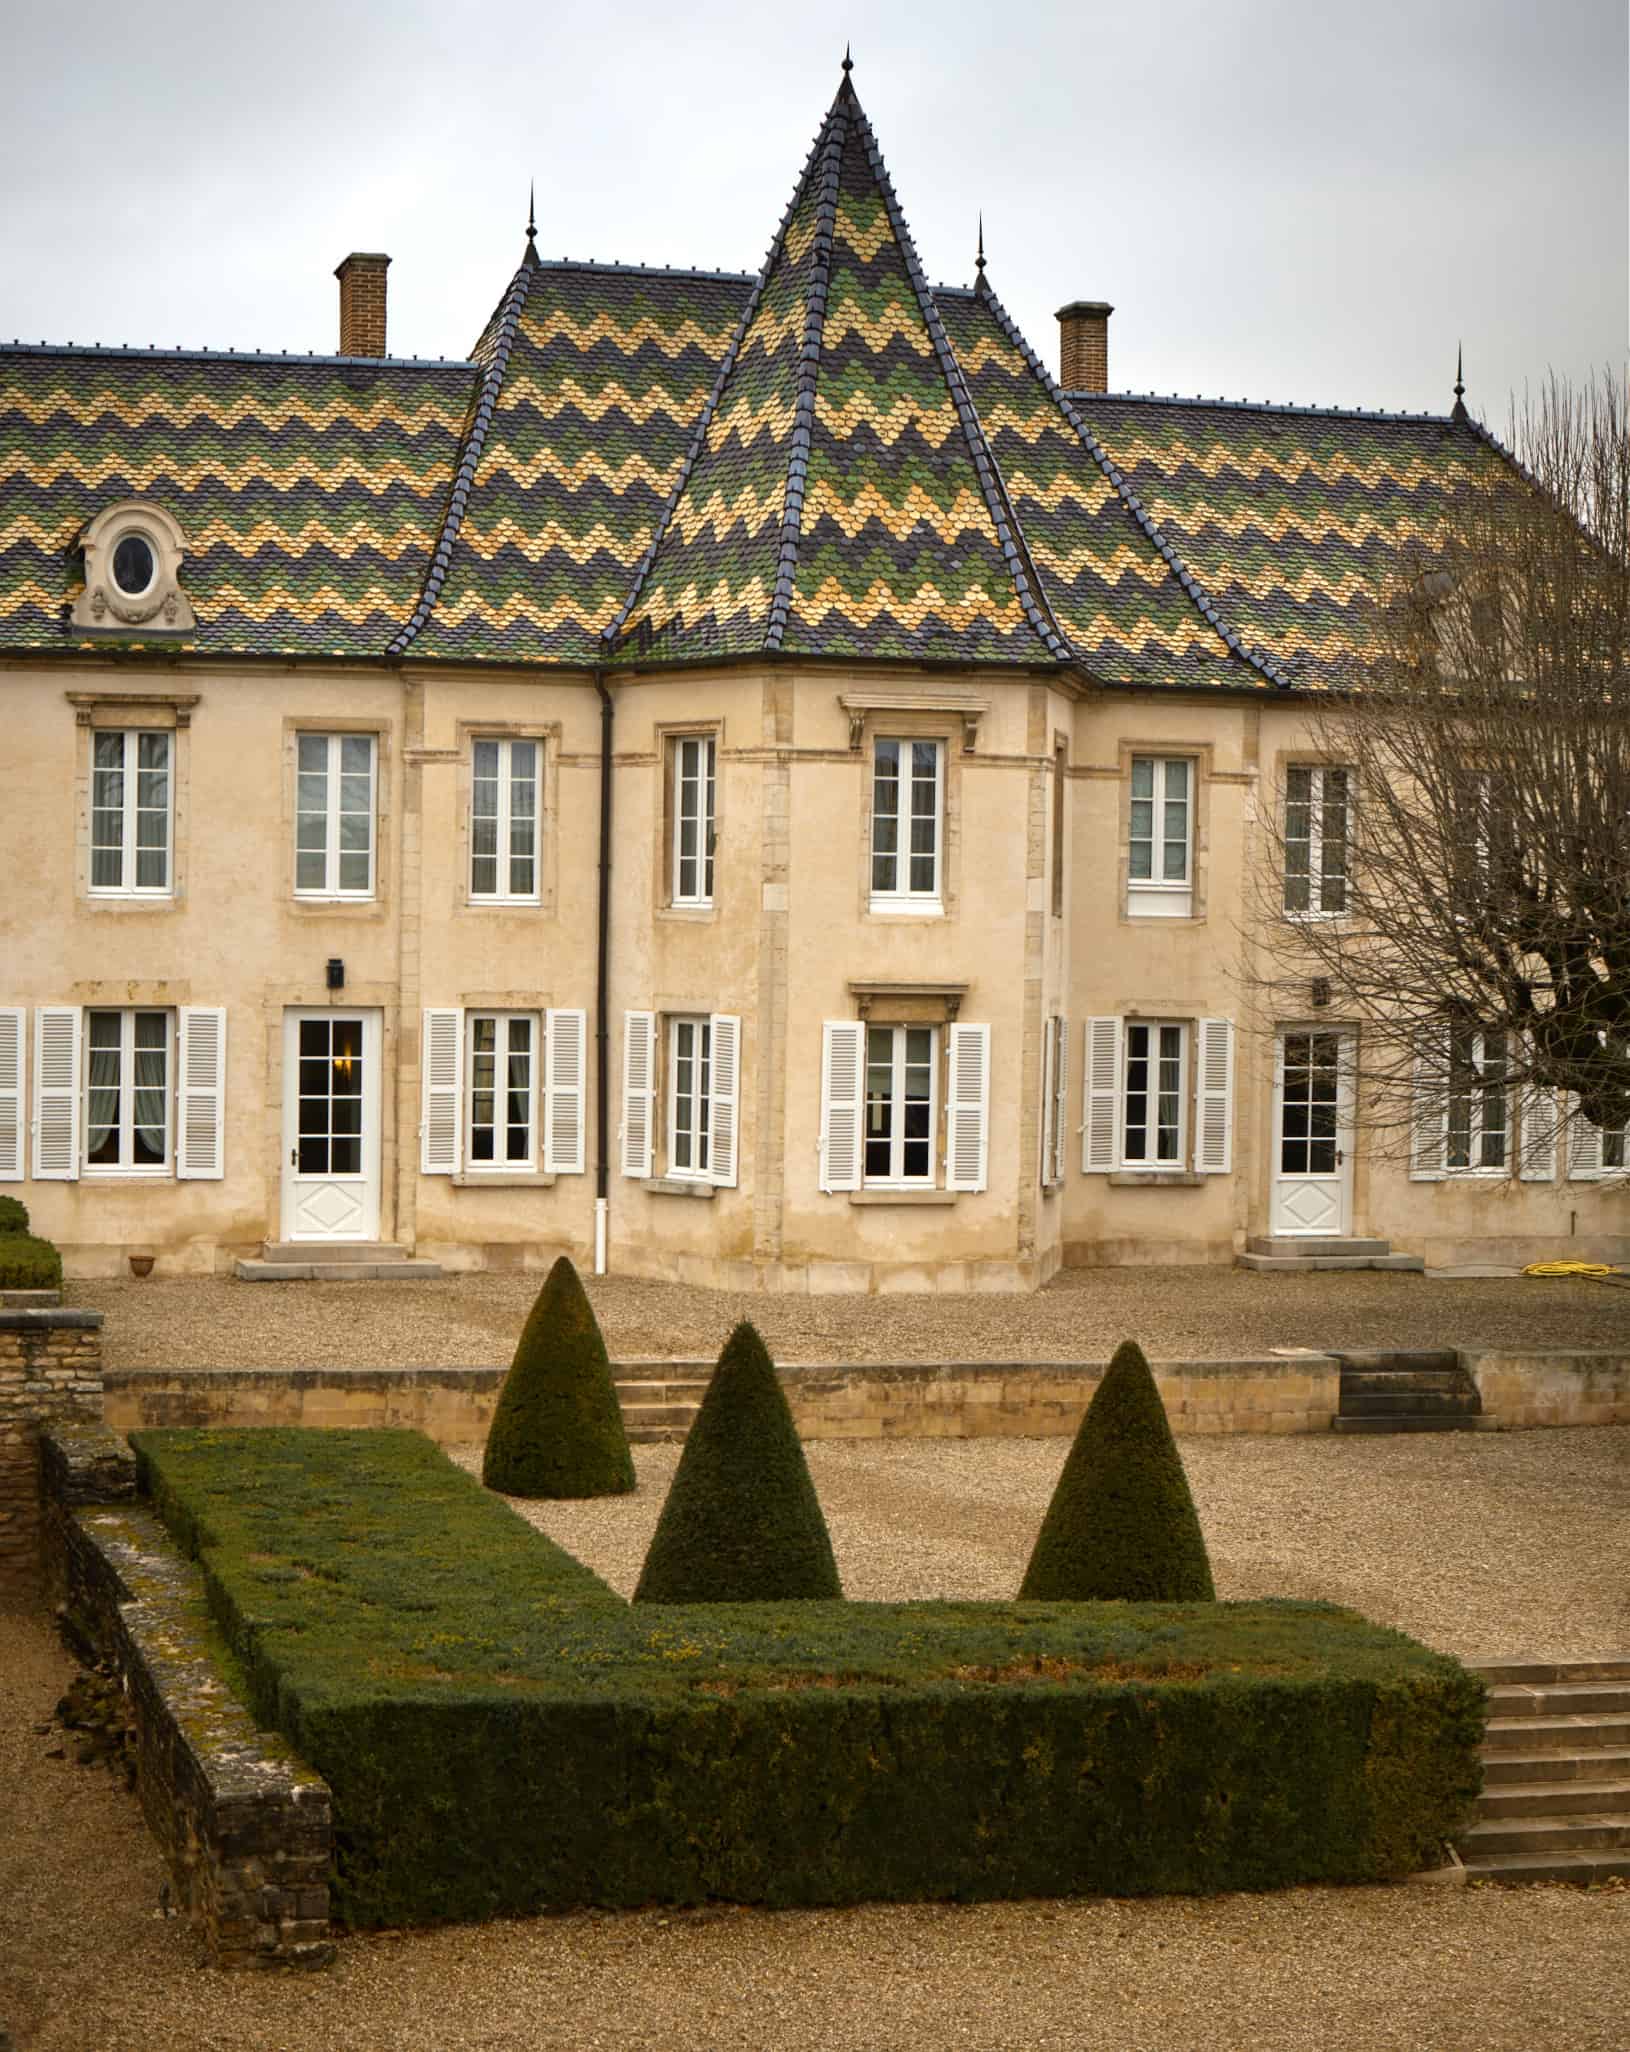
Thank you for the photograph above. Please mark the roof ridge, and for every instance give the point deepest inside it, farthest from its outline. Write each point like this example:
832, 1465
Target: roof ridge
642, 270
206, 355
1268, 406
475, 440
1201, 598
1039, 617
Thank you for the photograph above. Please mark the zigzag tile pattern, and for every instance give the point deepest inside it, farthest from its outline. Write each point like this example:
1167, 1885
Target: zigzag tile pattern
1114, 597
309, 492
1295, 521
608, 372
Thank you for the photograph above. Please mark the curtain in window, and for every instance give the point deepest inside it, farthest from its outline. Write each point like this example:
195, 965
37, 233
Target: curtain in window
148, 1121
102, 1140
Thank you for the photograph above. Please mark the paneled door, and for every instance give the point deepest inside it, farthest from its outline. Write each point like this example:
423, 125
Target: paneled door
331, 1125
1313, 1140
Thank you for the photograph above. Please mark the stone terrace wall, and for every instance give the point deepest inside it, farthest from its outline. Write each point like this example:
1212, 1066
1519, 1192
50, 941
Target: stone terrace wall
50, 1373
1553, 1389
245, 1826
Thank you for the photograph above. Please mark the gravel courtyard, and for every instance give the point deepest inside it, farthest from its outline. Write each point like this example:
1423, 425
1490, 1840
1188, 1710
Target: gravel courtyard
1478, 1542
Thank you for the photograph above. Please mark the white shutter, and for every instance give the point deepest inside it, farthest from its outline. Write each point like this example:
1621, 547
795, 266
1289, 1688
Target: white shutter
1584, 1147
967, 1110
843, 1052
1539, 1131
1061, 1093
1101, 1112
200, 1148
566, 1034
1214, 1098
13, 1125
724, 1039
1049, 1103
56, 1093
441, 1084
639, 1091
1430, 1111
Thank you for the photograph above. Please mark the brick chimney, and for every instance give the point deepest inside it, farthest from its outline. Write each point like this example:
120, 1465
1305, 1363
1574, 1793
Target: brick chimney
1083, 345
362, 303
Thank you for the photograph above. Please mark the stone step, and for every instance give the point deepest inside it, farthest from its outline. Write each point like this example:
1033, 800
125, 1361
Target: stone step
343, 1251
1397, 1360
1408, 1401
1590, 1763
1313, 1264
1565, 1735
632, 1392
1396, 1381
1560, 1798
1582, 1868
337, 1271
1312, 1243
1609, 1667
1607, 1831
1415, 1421
648, 1424
1593, 1698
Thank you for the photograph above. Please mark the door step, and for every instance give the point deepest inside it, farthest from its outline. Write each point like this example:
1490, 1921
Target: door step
1556, 1773
335, 1261
1288, 1254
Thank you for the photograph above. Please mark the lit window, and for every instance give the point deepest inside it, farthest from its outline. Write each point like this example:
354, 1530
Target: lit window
907, 795
502, 1075
1153, 1095
334, 816
901, 1103
504, 821
695, 761
127, 1092
1315, 838
690, 1097
130, 813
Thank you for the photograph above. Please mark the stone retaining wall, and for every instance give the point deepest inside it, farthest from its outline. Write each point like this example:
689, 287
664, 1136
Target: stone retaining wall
245, 1826
1553, 1389
50, 1373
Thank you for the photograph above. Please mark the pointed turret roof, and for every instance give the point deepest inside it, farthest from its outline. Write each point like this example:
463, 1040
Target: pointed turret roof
838, 497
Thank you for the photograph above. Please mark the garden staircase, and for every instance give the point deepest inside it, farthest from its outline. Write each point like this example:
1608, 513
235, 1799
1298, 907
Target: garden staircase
659, 1399
1556, 1773
1422, 1391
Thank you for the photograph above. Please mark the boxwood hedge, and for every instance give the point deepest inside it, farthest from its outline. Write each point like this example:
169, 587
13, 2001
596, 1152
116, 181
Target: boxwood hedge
29, 1264
503, 1734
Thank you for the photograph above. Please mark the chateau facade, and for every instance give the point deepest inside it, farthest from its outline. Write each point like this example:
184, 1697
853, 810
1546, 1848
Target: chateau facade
746, 779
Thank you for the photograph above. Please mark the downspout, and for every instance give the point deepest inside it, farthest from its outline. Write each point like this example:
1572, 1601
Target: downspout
602, 1055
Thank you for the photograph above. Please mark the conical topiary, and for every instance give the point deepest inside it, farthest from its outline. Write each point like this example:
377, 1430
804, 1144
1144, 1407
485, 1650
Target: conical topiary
742, 1523
558, 1428
1122, 1523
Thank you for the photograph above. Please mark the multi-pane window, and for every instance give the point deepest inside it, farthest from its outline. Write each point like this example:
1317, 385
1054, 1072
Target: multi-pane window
1310, 1103
131, 810
1316, 828
1162, 805
1478, 1126
690, 1097
504, 820
331, 1099
334, 816
901, 1076
907, 806
127, 1091
695, 762
502, 1089
1153, 1096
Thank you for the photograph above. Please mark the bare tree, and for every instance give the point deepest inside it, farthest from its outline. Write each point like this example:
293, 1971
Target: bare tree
1453, 863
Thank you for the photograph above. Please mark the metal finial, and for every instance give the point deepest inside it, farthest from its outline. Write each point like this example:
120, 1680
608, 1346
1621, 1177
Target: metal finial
848, 61
1459, 413
532, 212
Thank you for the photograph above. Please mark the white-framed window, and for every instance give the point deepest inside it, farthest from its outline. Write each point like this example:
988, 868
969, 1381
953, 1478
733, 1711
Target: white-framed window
1316, 836
902, 1104
132, 811
128, 1083
690, 1096
908, 809
695, 769
1477, 1117
334, 815
501, 1079
1055, 1094
1596, 1151
504, 783
1160, 836
1158, 1095
1154, 1126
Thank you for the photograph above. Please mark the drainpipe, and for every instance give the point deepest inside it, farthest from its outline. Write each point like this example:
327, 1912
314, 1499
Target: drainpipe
602, 1103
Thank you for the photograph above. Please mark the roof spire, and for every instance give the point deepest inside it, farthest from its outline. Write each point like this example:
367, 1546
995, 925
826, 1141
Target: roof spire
1460, 412
848, 61
979, 284
532, 219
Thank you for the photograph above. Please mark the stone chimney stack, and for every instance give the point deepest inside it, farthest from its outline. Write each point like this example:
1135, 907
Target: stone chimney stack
362, 303
1083, 345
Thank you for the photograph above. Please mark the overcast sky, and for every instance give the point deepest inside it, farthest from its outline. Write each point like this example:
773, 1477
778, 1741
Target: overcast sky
1307, 200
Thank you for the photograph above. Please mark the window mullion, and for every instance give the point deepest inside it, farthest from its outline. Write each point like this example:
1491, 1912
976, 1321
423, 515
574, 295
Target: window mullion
897, 1133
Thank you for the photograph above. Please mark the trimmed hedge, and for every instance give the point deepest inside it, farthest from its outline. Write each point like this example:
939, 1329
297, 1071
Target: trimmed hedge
558, 1429
29, 1264
742, 1522
1122, 1523
503, 1735
13, 1216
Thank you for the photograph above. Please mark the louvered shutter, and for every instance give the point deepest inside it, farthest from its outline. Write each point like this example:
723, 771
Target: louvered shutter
725, 1062
1061, 1094
441, 1080
967, 1110
1100, 1128
1539, 1132
1429, 1114
200, 1152
13, 1125
566, 1033
1584, 1148
1214, 1098
843, 1053
56, 1093
639, 1091
1049, 1101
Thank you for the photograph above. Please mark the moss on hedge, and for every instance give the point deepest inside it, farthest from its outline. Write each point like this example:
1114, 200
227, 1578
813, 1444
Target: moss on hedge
558, 1428
1122, 1523
742, 1523
28, 1264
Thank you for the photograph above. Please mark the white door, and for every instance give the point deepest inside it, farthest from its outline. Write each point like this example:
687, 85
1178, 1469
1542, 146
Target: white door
331, 1125
1313, 1140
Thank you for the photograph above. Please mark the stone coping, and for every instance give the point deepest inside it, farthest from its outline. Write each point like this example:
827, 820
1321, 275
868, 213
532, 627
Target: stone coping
46, 1319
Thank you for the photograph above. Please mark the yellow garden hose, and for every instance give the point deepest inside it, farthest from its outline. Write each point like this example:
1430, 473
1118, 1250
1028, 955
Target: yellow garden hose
1598, 1271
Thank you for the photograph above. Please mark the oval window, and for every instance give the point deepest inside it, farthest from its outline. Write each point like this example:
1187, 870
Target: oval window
134, 565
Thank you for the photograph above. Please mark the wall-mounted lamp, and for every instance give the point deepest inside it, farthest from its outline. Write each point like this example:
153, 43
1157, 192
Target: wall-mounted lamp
336, 973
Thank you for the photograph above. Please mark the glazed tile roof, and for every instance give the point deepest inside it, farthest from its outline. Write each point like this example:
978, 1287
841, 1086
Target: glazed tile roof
651, 466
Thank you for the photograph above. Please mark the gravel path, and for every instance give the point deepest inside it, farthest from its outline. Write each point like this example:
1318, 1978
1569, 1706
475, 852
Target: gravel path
1083, 1314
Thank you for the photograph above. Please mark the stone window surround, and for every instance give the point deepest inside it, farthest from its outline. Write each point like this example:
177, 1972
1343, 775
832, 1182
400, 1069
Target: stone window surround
913, 1004
303, 906
1283, 760
665, 733
101, 711
547, 734
1201, 754
163, 609
913, 716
